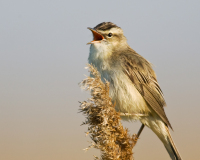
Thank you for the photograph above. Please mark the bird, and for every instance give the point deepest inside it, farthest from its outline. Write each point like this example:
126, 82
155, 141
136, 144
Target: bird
134, 88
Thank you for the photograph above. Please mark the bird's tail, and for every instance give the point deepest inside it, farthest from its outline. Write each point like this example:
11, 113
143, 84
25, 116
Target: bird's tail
162, 131
170, 147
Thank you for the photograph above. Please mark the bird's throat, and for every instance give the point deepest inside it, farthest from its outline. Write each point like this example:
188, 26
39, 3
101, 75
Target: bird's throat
99, 56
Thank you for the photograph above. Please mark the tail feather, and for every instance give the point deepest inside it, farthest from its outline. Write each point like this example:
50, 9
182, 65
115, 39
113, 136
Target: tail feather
162, 131
171, 148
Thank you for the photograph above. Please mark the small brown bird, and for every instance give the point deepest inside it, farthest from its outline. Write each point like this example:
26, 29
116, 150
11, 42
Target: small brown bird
133, 84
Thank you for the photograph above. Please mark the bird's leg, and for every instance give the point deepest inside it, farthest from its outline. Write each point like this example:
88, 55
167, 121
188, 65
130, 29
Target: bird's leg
139, 132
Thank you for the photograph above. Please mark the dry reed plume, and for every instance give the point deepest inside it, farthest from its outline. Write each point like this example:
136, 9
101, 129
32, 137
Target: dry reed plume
104, 124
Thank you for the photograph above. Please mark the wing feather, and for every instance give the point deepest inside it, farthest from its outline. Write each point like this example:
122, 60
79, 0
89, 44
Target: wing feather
143, 77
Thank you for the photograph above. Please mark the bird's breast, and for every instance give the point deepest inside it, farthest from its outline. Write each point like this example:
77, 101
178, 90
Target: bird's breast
122, 90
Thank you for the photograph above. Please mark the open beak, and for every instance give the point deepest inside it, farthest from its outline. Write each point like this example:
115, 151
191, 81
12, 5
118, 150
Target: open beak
97, 36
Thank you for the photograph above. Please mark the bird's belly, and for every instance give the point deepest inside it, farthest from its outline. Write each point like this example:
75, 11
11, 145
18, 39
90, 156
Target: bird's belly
125, 96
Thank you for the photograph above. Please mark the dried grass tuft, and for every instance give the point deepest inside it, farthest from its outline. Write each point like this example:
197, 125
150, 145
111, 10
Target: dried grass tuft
104, 123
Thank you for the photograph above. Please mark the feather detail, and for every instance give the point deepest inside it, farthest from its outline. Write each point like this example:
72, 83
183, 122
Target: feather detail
143, 77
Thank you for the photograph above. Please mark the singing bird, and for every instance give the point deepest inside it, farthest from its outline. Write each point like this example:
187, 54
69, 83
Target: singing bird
133, 85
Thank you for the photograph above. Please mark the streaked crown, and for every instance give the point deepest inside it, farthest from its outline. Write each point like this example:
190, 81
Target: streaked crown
106, 26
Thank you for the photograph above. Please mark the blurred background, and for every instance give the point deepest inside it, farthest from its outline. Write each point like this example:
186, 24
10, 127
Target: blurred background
43, 53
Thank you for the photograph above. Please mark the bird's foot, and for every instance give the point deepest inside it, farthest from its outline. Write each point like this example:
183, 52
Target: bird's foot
135, 138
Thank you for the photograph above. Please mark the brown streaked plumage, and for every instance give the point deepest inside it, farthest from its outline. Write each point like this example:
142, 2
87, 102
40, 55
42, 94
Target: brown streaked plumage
144, 79
133, 84
105, 26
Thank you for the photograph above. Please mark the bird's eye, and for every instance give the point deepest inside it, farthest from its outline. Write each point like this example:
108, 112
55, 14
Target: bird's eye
109, 34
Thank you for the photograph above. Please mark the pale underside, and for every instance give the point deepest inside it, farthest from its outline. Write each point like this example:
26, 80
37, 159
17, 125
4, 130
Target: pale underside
122, 91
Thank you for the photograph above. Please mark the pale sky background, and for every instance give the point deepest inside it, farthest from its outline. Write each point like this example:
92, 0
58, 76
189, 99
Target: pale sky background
43, 53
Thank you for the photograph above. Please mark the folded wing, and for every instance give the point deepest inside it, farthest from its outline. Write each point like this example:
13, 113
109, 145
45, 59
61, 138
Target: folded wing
144, 79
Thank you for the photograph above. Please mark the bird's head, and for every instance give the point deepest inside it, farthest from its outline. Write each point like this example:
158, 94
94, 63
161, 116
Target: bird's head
107, 34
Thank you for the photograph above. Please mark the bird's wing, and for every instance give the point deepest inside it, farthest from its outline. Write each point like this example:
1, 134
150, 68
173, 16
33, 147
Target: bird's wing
144, 79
